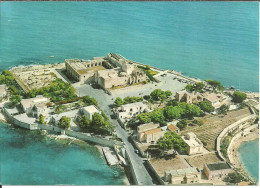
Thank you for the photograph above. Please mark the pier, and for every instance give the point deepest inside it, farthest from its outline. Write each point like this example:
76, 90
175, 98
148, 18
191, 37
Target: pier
110, 156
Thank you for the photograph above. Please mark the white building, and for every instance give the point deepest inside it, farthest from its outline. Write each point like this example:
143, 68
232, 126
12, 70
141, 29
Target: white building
3, 90
35, 106
90, 111
195, 146
127, 111
216, 99
70, 114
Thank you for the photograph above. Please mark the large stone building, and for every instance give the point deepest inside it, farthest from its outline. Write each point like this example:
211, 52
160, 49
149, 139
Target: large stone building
188, 97
216, 99
217, 171
83, 70
108, 72
183, 176
149, 133
195, 146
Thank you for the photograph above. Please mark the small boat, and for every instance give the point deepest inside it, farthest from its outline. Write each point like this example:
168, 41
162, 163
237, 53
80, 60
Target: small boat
52, 56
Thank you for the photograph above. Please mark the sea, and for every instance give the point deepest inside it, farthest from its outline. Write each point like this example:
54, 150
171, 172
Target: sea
249, 155
207, 40
33, 158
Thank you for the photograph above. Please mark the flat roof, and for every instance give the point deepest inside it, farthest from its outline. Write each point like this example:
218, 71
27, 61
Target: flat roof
218, 166
192, 142
26, 103
91, 109
134, 104
184, 171
147, 126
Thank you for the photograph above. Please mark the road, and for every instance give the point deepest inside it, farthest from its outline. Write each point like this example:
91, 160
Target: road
104, 100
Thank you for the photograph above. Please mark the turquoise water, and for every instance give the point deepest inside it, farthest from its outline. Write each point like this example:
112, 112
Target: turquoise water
249, 155
31, 158
215, 40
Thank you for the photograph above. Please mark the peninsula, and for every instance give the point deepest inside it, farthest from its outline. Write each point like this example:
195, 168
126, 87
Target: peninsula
162, 127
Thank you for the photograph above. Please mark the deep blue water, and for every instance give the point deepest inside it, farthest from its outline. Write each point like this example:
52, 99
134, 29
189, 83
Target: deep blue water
249, 155
208, 40
31, 158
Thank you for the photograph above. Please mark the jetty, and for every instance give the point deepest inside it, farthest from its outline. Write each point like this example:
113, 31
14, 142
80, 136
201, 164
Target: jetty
110, 156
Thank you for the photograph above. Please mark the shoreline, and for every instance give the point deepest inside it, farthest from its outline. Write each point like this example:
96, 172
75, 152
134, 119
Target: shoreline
56, 137
171, 71
234, 154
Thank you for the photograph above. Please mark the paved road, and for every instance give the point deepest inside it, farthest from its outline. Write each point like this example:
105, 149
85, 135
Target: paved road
104, 100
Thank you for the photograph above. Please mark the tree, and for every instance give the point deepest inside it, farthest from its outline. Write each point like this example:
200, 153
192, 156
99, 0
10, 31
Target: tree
84, 121
198, 86
98, 120
172, 112
144, 118
168, 93
89, 101
2, 79
107, 123
182, 124
206, 106
64, 122
239, 97
171, 140
215, 84
157, 116
172, 103
189, 88
41, 119
147, 67
192, 110
128, 99
234, 178
15, 99
223, 109
158, 94
119, 102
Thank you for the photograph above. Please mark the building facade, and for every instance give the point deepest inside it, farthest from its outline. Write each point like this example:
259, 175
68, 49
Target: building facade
149, 133
107, 72
195, 146
35, 106
188, 97
89, 111
183, 176
127, 111
217, 171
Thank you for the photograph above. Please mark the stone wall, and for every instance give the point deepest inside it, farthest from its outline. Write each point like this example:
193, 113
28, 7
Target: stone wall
19, 123
132, 169
228, 129
153, 171
89, 138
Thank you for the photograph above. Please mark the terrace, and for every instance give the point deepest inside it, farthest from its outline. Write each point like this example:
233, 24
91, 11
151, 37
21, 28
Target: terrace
213, 125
